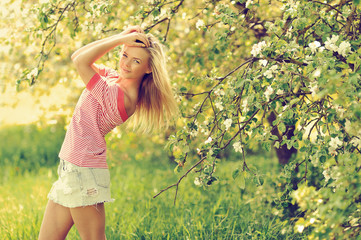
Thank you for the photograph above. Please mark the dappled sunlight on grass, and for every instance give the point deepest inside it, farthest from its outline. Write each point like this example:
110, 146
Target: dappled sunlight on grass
222, 211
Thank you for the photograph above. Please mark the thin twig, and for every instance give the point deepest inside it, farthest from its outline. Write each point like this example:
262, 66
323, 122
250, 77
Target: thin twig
179, 180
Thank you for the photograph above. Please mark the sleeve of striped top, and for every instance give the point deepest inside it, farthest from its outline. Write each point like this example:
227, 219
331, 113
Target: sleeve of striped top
109, 95
105, 71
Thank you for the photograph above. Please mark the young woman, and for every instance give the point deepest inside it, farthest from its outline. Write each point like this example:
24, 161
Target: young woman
140, 89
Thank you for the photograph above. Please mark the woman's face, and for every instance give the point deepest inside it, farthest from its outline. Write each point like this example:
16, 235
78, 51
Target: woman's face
134, 62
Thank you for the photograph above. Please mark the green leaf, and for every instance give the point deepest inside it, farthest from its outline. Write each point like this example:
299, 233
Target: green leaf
303, 149
258, 180
242, 181
183, 89
235, 173
293, 101
177, 169
266, 146
282, 127
356, 2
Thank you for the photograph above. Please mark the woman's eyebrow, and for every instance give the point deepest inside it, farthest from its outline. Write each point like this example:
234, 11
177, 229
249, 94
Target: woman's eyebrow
133, 57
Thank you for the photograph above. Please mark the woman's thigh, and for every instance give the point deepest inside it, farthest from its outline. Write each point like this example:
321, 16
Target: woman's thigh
89, 221
56, 223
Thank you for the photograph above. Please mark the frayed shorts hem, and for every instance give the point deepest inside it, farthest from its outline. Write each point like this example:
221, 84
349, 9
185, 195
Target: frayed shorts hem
80, 186
75, 206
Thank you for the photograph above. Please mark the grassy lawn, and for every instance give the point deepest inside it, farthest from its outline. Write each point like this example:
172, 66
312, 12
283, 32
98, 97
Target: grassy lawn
223, 211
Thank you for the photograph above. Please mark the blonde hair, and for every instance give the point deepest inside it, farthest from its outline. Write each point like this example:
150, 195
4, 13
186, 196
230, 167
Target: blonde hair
156, 106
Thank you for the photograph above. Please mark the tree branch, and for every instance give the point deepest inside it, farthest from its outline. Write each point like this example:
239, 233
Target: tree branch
179, 180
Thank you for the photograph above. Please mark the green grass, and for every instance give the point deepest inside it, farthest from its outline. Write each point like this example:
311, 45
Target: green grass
223, 211
28, 162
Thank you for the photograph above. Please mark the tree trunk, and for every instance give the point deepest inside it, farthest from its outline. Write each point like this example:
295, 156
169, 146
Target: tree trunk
283, 153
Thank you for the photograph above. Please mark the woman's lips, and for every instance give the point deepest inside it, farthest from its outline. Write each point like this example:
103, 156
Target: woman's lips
125, 70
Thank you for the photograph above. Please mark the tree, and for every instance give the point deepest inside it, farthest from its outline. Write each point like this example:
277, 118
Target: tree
279, 74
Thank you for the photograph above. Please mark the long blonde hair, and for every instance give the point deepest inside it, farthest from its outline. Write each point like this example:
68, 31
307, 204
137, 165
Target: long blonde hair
156, 106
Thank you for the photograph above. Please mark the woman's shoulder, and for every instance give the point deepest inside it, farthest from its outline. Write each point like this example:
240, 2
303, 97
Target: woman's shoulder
128, 100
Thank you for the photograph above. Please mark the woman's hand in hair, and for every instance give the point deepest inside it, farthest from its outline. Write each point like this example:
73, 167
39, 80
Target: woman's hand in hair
135, 39
132, 29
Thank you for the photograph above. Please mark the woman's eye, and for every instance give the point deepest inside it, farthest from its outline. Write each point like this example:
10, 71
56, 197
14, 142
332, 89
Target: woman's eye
136, 61
124, 55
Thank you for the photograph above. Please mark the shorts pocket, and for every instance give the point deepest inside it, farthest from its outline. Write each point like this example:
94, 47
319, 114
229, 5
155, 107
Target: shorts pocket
70, 178
101, 177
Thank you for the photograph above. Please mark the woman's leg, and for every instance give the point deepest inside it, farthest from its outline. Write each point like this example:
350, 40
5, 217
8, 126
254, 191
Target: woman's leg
56, 223
90, 221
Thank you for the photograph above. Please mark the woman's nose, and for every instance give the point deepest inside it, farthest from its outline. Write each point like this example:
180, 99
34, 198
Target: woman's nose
127, 63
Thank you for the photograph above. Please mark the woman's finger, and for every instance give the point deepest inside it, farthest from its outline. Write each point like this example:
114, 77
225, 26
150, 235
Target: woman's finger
143, 38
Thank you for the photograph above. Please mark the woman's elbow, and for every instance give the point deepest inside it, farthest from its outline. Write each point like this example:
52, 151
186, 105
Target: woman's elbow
73, 57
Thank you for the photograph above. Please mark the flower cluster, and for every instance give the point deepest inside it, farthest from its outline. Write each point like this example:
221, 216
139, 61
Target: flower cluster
269, 91
269, 73
257, 48
343, 49
227, 123
314, 45
238, 147
200, 24
32, 74
334, 144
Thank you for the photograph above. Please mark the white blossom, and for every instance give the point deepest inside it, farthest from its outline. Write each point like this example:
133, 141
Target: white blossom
314, 45
209, 140
289, 32
238, 147
219, 92
245, 106
317, 73
249, 2
326, 175
330, 44
197, 181
99, 27
268, 92
300, 228
312, 220
227, 123
280, 92
344, 48
200, 24
268, 74
334, 144
270, 71
184, 15
314, 89
348, 126
273, 68
339, 110
219, 106
263, 62
257, 48
32, 74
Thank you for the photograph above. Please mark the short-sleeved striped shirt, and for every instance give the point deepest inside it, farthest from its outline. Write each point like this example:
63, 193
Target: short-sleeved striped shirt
100, 109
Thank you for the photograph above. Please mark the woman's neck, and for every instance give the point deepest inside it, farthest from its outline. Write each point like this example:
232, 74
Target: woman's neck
130, 86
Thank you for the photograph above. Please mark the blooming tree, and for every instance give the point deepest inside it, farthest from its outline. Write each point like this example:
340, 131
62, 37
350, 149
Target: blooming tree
282, 75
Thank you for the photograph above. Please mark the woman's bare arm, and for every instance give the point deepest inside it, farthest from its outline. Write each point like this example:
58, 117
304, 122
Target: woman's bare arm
85, 57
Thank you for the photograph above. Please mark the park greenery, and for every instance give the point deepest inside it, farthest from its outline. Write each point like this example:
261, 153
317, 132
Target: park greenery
253, 79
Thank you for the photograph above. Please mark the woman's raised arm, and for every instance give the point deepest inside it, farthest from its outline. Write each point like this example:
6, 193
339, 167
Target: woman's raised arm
84, 57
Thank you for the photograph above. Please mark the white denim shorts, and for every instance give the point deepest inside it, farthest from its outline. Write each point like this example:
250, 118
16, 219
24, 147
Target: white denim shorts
80, 186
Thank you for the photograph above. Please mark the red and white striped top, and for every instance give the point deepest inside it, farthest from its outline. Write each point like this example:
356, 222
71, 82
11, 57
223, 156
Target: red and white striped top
100, 109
